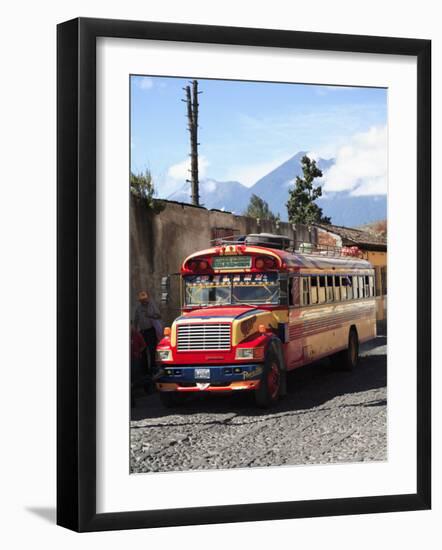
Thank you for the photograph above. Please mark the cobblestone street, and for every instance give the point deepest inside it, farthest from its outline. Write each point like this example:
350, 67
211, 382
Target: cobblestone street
328, 416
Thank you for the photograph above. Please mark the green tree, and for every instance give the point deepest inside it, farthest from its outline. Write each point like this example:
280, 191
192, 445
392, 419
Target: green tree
301, 205
141, 185
259, 208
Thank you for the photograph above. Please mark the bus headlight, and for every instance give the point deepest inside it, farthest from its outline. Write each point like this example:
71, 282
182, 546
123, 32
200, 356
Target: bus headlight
164, 355
250, 353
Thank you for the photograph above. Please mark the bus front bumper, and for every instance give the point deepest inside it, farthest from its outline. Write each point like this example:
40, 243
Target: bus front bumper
219, 378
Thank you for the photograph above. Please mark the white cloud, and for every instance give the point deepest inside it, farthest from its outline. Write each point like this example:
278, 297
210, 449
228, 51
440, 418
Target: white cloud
144, 83
373, 186
181, 170
361, 165
314, 155
250, 173
176, 176
209, 185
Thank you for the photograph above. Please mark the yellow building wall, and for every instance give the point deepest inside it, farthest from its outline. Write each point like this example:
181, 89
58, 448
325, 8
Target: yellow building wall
378, 261
375, 257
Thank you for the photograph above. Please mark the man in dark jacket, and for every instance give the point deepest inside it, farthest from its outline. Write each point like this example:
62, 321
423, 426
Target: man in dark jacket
145, 313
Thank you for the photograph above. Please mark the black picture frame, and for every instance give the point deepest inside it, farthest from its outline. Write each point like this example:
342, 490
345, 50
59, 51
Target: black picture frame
76, 274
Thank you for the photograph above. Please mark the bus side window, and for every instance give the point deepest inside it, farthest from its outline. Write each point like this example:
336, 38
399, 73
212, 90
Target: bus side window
367, 286
348, 285
337, 288
283, 285
371, 285
343, 288
361, 287
294, 291
330, 295
314, 290
355, 287
321, 289
305, 291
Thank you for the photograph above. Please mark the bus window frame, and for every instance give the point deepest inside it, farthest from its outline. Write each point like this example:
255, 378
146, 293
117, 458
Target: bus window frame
351, 276
337, 289
355, 285
303, 292
343, 298
361, 286
366, 286
327, 287
296, 299
284, 279
324, 287
316, 286
372, 285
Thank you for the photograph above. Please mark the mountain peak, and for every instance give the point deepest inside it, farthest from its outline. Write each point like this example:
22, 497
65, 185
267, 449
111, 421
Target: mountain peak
286, 173
343, 208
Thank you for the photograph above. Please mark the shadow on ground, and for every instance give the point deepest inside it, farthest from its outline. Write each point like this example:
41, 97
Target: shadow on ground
308, 387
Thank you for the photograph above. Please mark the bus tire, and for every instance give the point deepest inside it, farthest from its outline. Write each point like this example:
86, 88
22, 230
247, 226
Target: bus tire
171, 399
269, 389
348, 358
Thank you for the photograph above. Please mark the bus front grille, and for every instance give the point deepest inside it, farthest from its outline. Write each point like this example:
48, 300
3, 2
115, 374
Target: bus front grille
207, 337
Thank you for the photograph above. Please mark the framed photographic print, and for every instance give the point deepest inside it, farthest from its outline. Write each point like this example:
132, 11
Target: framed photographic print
243, 274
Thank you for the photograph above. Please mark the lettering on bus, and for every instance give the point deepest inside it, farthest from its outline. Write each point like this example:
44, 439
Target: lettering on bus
232, 262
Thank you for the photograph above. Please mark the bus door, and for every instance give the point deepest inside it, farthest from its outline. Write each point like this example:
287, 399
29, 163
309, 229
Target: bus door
294, 347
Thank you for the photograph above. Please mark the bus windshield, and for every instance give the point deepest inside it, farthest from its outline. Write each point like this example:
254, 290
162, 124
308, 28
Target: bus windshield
228, 289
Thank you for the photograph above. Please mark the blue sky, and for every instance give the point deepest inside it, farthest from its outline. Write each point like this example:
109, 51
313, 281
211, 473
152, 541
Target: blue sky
249, 128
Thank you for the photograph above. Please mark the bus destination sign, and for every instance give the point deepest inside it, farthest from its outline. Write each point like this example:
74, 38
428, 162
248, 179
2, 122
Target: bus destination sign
232, 262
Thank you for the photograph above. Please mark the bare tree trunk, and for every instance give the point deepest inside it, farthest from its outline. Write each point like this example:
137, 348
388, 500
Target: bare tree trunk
192, 115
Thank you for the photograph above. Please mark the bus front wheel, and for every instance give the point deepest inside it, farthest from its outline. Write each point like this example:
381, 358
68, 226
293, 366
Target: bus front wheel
348, 358
269, 389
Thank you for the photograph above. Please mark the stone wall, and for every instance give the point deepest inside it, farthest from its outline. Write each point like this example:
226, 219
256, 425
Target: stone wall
160, 242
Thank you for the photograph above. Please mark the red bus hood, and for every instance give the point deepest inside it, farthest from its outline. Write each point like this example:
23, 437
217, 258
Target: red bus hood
244, 320
226, 313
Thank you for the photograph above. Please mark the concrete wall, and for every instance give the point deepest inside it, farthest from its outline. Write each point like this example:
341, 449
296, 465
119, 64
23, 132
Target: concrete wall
160, 242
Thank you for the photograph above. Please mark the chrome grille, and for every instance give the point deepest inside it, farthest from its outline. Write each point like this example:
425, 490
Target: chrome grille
199, 337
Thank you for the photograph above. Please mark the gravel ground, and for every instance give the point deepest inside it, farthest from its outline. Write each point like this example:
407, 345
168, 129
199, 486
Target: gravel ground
327, 416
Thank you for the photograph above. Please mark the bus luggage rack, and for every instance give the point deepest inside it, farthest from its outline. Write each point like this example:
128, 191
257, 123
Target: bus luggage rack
298, 247
302, 247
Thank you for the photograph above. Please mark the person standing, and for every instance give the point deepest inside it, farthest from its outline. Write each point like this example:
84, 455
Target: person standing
137, 348
146, 313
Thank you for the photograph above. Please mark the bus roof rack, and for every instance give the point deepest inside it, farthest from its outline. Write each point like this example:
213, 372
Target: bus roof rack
283, 242
268, 240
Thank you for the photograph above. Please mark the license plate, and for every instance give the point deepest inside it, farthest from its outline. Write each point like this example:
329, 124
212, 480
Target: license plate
202, 373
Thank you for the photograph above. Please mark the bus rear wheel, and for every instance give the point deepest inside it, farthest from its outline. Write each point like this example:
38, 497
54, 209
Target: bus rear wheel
269, 389
348, 358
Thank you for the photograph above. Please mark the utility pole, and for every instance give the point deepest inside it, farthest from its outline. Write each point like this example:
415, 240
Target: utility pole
192, 117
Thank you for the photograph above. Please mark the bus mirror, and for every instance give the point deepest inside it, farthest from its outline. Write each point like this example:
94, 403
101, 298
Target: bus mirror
165, 286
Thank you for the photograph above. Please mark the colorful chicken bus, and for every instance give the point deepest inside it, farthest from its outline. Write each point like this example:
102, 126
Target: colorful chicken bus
252, 313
